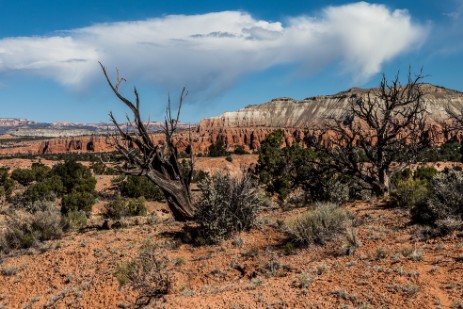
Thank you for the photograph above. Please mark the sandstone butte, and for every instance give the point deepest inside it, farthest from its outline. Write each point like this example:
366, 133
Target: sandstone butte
250, 125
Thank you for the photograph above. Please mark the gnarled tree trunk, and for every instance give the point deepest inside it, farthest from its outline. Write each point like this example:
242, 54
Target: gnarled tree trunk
157, 162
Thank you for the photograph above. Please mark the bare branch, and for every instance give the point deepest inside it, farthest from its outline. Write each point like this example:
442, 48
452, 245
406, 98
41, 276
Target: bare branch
157, 162
384, 126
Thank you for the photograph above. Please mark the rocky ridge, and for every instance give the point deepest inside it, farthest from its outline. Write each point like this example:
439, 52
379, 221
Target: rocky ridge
291, 113
250, 125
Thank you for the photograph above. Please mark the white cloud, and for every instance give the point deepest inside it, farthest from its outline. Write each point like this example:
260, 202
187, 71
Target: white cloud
209, 52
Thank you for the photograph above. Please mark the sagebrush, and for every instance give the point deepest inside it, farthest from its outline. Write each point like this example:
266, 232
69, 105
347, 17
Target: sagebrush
228, 205
318, 226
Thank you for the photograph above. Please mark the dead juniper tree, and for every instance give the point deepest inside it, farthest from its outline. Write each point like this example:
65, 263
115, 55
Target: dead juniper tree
158, 162
383, 126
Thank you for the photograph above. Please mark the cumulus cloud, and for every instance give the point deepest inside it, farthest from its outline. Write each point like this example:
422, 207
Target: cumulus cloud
209, 52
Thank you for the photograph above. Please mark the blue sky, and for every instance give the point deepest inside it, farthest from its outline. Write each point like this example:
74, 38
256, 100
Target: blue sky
228, 53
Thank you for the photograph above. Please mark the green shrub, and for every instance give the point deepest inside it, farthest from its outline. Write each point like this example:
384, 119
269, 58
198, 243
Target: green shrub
217, 149
318, 226
75, 220
7, 187
284, 169
78, 201
408, 193
85, 185
99, 168
401, 175
136, 207
411, 188
425, 173
40, 171
3, 174
39, 193
37, 172
448, 152
330, 190
74, 176
140, 186
115, 209
445, 200
239, 150
228, 205
199, 176
229, 158
272, 164
25, 231
23, 176
6, 183
121, 207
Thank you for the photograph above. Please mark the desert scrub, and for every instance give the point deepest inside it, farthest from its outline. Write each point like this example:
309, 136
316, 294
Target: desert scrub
75, 220
351, 242
408, 193
318, 226
138, 186
228, 205
28, 230
78, 201
411, 188
121, 207
149, 272
8, 271
444, 206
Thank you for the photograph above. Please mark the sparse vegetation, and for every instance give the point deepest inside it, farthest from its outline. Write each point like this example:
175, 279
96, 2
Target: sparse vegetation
444, 202
228, 205
121, 207
78, 201
6, 184
28, 230
408, 193
286, 169
318, 226
139, 186
148, 273
310, 243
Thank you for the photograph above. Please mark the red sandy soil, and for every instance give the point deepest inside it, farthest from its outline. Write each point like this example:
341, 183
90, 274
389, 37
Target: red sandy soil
78, 270
24, 163
392, 269
207, 164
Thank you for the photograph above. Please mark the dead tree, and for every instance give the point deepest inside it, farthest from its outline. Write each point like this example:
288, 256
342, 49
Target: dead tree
158, 162
383, 126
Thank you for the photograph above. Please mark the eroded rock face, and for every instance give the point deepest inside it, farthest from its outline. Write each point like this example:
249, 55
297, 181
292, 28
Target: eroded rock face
299, 118
75, 144
250, 125
290, 113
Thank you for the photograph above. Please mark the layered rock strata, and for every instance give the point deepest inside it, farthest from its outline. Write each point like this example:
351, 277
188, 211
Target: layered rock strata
250, 125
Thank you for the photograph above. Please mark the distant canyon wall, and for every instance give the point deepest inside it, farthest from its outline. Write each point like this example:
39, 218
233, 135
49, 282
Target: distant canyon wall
251, 138
250, 125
